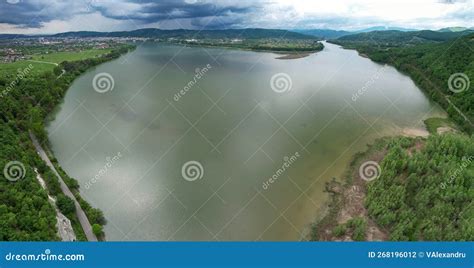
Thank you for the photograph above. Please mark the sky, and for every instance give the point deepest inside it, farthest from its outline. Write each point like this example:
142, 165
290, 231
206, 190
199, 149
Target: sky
53, 16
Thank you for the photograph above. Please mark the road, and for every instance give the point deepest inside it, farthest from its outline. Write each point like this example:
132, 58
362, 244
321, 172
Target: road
81, 215
45, 62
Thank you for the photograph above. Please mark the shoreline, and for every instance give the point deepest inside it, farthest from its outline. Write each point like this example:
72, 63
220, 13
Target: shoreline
346, 199
347, 217
64, 179
293, 56
432, 91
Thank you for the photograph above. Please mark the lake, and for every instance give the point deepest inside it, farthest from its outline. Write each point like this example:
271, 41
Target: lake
189, 143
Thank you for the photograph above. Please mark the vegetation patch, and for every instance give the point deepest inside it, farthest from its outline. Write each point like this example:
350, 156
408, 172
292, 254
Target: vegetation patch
25, 213
424, 192
433, 124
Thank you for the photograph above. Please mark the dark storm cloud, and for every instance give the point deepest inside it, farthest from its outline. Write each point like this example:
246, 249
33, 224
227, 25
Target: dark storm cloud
154, 11
222, 22
23, 13
33, 13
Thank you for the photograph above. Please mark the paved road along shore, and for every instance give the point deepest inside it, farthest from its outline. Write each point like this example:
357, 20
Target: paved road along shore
81, 215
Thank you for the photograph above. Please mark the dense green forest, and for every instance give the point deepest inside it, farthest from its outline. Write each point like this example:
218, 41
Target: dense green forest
25, 213
423, 191
426, 189
399, 38
430, 65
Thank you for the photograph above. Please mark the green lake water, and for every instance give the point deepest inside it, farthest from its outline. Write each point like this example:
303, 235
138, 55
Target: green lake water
127, 146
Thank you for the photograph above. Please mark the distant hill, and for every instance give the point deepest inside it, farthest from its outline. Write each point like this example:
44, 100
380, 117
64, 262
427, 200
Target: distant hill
10, 36
385, 28
454, 29
250, 33
333, 34
324, 33
396, 38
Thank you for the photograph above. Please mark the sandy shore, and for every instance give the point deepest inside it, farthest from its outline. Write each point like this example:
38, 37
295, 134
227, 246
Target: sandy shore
415, 132
293, 56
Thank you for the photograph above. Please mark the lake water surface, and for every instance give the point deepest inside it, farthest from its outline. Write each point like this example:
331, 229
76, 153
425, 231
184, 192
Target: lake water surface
127, 146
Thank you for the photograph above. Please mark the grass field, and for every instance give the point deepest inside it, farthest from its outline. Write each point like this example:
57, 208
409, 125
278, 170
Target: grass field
59, 57
46, 62
432, 124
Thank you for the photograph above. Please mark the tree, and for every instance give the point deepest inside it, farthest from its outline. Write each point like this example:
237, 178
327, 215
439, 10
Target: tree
65, 204
97, 229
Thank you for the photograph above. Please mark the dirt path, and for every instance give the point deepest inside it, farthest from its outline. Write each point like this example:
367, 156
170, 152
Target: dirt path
81, 215
45, 62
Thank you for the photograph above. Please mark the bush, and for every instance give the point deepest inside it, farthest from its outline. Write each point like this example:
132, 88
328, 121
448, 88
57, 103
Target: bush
97, 230
65, 204
340, 230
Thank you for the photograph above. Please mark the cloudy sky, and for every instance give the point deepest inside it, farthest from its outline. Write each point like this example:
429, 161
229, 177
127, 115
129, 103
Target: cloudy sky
52, 16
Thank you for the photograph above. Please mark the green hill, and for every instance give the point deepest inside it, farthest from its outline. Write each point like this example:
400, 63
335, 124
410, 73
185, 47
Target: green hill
399, 38
248, 33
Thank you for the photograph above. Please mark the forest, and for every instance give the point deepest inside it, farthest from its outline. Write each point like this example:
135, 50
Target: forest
25, 213
425, 193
